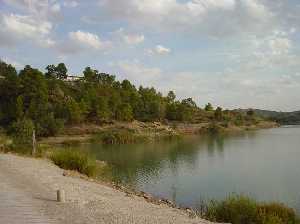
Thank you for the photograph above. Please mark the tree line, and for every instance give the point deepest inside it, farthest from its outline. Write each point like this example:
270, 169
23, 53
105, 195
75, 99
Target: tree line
48, 101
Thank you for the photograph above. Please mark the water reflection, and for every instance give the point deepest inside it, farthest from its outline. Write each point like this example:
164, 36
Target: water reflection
263, 164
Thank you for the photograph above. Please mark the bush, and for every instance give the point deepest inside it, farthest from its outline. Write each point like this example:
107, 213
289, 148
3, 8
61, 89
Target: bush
119, 137
273, 211
243, 210
214, 128
235, 209
48, 125
75, 160
5, 142
21, 132
124, 112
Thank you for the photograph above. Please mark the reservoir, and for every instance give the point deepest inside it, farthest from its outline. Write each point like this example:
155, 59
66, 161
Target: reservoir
262, 164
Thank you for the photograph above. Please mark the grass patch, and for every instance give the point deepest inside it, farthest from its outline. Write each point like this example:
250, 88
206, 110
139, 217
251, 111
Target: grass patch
167, 136
215, 128
122, 136
239, 209
276, 211
75, 160
71, 142
5, 142
20, 149
130, 136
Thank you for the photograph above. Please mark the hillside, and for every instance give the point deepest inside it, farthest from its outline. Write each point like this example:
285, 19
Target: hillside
286, 118
49, 101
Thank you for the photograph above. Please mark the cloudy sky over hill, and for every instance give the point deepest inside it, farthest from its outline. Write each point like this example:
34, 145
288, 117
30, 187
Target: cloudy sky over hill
233, 53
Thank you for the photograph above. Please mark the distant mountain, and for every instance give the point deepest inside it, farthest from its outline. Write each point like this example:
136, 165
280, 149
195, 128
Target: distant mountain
287, 118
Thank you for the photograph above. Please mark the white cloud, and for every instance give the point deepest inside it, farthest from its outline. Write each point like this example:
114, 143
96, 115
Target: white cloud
138, 73
48, 43
55, 8
71, 4
34, 24
129, 38
159, 50
80, 41
16, 28
280, 45
229, 16
40, 9
268, 53
26, 25
255, 9
134, 38
87, 39
228, 89
162, 50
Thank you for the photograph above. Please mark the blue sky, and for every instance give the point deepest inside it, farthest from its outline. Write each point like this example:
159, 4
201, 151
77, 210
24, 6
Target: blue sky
232, 53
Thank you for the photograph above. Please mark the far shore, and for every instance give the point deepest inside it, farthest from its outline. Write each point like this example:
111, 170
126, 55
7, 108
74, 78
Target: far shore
151, 131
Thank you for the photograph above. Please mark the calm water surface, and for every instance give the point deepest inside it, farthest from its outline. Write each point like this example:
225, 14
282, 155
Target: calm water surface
262, 164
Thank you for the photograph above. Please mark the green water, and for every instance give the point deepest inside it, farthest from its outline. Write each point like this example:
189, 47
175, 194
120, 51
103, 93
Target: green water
263, 164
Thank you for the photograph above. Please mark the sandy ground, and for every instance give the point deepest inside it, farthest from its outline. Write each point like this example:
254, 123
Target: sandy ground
28, 195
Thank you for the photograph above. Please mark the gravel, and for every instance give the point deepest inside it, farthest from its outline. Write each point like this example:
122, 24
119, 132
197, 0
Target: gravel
28, 195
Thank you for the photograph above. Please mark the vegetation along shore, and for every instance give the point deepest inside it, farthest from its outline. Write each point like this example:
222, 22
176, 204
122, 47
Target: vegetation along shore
97, 104
99, 108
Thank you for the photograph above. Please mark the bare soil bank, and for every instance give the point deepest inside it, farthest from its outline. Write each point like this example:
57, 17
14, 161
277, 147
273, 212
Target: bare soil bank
150, 130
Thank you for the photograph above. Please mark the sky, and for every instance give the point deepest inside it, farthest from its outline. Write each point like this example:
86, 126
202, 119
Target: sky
231, 53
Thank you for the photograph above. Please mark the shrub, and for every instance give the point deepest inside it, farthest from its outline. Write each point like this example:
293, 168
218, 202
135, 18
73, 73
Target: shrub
124, 112
273, 211
5, 142
214, 128
119, 137
48, 125
243, 210
75, 160
21, 132
234, 209
271, 219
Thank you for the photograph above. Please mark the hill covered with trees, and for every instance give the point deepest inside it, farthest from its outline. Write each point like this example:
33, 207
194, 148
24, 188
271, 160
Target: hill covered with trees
49, 101
286, 118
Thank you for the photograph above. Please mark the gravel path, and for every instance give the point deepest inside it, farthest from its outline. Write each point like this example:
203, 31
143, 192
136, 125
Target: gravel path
28, 192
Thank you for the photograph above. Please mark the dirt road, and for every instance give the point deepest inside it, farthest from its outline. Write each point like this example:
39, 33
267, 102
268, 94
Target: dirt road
28, 192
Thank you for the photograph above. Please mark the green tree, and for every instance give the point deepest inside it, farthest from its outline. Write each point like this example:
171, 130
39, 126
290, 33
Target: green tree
102, 109
171, 97
19, 107
22, 132
48, 125
34, 92
124, 112
90, 75
74, 112
59, 72
250, 113
187, 109
9, 91
172, 111
218, 114
150, 106
208, 107
51, 71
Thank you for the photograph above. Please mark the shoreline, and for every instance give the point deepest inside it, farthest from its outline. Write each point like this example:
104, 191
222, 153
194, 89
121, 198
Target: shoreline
149, 132
131, 191
118, 203
127, 190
